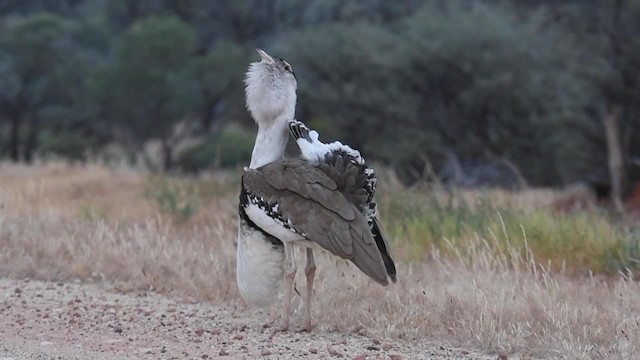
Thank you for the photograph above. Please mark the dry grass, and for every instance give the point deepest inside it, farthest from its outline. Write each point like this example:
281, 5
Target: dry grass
481, 289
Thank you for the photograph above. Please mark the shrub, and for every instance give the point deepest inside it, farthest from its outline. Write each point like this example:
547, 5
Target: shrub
223, 150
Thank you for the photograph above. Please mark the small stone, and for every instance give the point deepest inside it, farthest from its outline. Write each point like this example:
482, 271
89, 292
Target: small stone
223, 352
387, 347
360, 357
502, 356
334, 352
199, 331
376, 342
238, 337
372, 348
17, 291
395, 357
205, 356
265, 352
313, 350
117, 329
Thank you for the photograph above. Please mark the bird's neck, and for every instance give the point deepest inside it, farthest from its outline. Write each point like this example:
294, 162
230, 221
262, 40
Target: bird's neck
271, 142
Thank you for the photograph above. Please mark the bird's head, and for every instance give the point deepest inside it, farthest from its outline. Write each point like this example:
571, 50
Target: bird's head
270, 88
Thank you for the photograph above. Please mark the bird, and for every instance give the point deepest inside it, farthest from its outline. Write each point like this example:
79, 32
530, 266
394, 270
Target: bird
270, 90
323, 199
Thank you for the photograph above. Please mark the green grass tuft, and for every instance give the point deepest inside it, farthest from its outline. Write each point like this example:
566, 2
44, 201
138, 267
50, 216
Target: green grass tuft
174, 197
578, 242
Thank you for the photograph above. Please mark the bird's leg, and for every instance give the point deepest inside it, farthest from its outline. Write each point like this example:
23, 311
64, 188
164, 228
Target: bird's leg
309, 271
290, 274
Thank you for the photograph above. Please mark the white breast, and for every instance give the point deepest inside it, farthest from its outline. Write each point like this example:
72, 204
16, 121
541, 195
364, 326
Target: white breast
275, 227
259, 269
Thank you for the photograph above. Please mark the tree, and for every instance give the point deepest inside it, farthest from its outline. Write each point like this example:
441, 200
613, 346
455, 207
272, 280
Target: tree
218, 75
492, 84
149, 89
32, 55
610, 62
472, 82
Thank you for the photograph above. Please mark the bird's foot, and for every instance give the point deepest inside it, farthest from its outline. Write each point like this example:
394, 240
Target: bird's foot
307, 328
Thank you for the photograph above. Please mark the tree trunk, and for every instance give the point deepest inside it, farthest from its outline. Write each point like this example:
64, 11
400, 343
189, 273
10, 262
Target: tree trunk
14, 141
31, 142
611, 122
206, 115
167, 155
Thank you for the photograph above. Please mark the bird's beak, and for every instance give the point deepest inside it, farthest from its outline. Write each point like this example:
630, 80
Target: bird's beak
265, 57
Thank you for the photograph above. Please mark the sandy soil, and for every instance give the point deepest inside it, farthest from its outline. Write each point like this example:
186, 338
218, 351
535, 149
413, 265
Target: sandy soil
44, 320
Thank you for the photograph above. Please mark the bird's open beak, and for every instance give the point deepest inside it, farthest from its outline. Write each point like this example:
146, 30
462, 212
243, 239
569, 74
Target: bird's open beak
265, 57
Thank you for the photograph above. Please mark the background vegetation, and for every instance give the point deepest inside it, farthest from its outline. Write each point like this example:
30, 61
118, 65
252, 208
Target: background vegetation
471, 92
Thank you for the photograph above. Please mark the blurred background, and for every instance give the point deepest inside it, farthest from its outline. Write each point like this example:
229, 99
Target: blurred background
467, 93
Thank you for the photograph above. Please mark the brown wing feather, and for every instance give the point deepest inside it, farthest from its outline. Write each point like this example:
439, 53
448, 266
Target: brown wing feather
350, 181
316, 207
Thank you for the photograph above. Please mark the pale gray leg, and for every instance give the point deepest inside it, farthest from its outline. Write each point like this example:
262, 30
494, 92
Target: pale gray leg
309, 271
290, 274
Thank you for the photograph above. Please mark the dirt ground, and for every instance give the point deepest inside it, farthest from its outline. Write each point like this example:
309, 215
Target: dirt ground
46, 320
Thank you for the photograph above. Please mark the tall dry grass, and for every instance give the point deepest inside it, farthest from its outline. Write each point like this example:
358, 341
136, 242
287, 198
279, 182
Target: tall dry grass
470, 279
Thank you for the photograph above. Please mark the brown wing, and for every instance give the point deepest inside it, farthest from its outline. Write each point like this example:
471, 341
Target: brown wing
318, 209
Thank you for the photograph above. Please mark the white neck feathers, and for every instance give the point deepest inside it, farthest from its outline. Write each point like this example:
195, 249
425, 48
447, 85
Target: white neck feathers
269, 96
271, 142
271, 99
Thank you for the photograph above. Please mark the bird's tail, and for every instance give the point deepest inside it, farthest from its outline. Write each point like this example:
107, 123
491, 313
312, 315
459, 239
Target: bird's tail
383, 246
299, 130
310, 146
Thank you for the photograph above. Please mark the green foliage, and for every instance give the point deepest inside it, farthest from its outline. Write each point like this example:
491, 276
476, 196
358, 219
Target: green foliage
222, 150
149, 89
218, 75
32, 63
475, 80
150, 83
92, 212
174, 197
68, 145
577, 242
419, 85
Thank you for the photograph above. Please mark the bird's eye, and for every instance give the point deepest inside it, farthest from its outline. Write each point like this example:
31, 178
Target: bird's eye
288, 67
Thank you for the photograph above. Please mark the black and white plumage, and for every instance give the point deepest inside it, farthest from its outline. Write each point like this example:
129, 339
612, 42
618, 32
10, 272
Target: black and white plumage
333, 158
324, 199
271, 100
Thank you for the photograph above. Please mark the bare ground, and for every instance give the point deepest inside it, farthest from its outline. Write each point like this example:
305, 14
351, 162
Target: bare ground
55, 320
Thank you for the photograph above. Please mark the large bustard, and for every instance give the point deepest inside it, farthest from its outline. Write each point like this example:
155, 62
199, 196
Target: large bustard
325, 198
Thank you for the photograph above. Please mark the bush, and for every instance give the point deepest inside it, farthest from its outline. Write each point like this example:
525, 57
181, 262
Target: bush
69, 145
226, 149
174, 197
575, 243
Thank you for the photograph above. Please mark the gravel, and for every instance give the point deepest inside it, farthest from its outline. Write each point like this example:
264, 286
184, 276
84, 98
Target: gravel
49, 320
